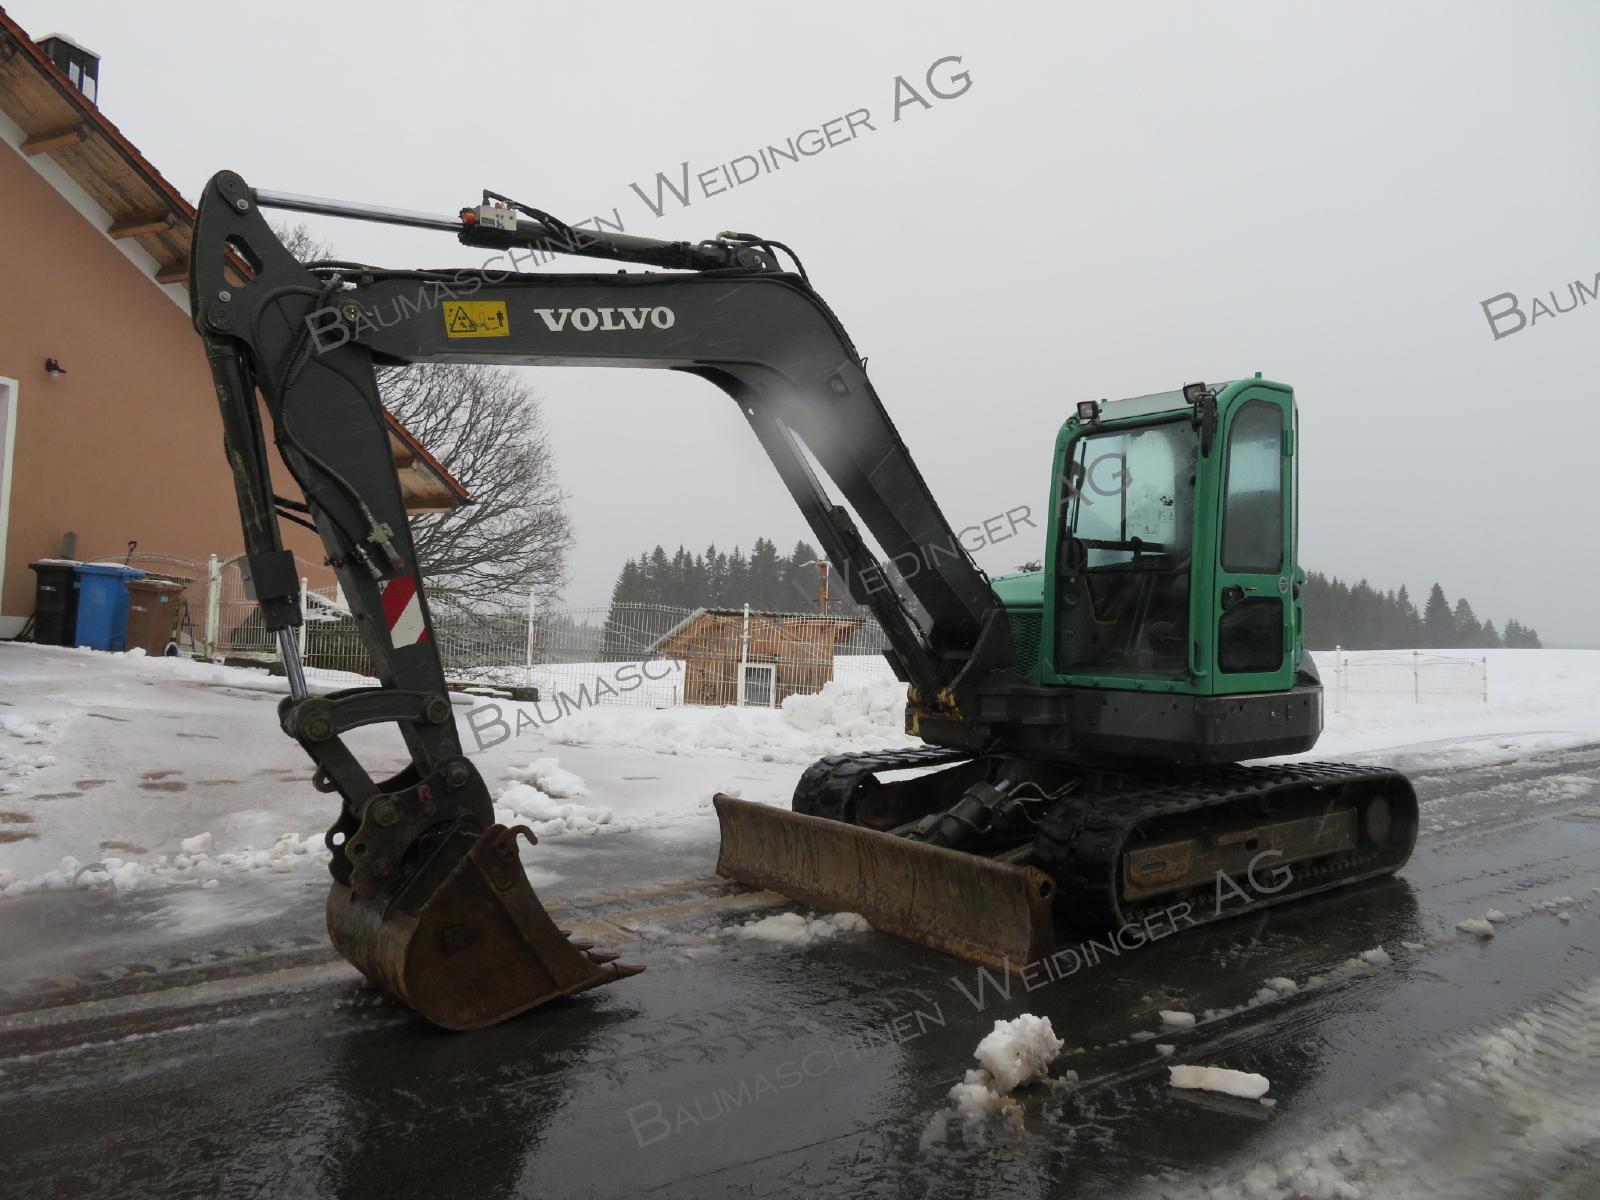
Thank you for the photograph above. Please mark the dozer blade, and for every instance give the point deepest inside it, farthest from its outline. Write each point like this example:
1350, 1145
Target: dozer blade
466, 942
985, 911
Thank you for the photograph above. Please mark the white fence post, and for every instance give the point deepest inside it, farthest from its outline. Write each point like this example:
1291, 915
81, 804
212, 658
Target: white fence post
527, 673
1338, 679
1484, 667
305, 609
744, 658
1416, 675
213, 605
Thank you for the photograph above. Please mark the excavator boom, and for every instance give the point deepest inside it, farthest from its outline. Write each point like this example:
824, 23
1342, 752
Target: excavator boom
429, 898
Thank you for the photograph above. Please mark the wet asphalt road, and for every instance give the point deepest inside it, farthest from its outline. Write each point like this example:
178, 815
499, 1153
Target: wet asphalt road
147, 1049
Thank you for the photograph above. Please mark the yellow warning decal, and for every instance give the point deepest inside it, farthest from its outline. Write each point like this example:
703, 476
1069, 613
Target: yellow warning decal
476, 318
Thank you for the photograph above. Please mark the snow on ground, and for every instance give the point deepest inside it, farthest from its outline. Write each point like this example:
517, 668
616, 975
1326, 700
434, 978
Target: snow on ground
109, 763
796, 929
842, 717
1505, 1112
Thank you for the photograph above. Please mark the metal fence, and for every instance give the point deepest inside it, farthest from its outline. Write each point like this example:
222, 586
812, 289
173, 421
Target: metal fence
1424, 678
635, 654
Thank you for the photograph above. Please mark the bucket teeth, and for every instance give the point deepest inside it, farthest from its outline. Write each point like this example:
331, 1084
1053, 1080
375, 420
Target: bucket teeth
465, 941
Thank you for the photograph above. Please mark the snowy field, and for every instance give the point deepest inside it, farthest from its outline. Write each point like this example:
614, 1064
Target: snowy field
121, 771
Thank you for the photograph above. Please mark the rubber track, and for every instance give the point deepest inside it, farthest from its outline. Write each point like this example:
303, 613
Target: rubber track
829, 783
1082, 839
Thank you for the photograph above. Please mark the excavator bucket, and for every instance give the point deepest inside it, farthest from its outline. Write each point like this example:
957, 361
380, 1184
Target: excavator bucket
980, 909
466, 942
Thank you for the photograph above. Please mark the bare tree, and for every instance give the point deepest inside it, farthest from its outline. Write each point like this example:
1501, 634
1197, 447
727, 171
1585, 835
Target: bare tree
301, 242
488, 431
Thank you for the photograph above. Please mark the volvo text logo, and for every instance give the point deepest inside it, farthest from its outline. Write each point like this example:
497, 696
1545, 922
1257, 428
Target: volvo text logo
585, 320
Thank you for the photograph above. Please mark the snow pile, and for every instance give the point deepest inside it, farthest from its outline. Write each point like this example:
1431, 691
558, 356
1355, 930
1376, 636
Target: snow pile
1176, 1018
533, 799
1012, 1055
850, 712
1477, 925
1244, 1084
796, 929
1018, 1052
524, 804
547, 775
841, 717
193, 864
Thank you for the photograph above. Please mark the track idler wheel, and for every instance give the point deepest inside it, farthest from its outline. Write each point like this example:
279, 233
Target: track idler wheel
465, 941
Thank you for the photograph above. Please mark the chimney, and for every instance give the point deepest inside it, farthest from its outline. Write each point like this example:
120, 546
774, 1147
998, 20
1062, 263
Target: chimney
78, 63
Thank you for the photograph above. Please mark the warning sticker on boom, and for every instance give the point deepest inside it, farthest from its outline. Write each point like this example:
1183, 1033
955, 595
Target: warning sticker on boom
476, 318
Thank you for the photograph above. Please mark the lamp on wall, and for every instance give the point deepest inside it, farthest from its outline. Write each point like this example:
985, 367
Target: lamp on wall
52, 367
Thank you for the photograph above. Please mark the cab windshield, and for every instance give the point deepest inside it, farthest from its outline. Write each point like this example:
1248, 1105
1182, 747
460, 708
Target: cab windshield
1123, 561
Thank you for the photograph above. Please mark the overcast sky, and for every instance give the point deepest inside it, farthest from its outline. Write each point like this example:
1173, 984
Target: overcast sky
1124, 199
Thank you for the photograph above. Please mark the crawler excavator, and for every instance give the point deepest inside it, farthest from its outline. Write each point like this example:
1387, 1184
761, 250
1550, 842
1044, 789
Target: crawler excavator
1083, 726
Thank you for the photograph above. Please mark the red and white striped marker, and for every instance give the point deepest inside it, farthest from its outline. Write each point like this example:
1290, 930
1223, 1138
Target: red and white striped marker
402, 609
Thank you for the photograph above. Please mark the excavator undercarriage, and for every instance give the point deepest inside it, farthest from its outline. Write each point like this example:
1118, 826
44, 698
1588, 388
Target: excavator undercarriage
1082, 724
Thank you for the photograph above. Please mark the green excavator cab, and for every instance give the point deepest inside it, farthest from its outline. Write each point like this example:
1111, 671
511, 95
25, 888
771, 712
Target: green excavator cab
1171, 554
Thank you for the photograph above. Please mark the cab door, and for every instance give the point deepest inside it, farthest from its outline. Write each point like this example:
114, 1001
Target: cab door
1253, 649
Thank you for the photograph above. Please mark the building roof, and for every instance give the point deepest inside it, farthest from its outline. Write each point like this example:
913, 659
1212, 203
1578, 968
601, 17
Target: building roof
143, 208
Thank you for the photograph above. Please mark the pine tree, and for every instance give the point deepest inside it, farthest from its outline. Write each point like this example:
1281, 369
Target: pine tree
1491, 636
1438, 623
614, 637
738, 580
765, 583
1469, 634
1410, 621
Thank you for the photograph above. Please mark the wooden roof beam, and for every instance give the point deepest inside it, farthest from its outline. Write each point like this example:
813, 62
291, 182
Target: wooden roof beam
174, 272
140, 224
54, 139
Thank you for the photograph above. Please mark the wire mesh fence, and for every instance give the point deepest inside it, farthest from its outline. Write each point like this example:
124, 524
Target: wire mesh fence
651, 655
1396, 675
646, 655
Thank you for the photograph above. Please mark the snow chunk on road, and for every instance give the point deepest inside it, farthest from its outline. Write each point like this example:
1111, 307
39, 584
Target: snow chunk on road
974, 1098
1494, 916
200, 843
1376, 958
533, 797
551, 778
523, 802
1177, 1018
1243, 1084
1476, 925
1020, 1051
796, 929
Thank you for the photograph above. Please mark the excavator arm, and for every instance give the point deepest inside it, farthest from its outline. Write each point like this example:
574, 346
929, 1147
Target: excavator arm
429, 896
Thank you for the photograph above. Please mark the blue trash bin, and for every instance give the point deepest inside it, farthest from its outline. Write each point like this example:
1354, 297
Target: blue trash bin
103, 604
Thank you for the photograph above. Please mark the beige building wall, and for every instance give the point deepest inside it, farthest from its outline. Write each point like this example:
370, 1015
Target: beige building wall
127, 445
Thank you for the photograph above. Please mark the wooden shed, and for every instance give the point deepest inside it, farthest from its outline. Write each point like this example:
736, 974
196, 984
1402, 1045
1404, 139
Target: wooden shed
781, 654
